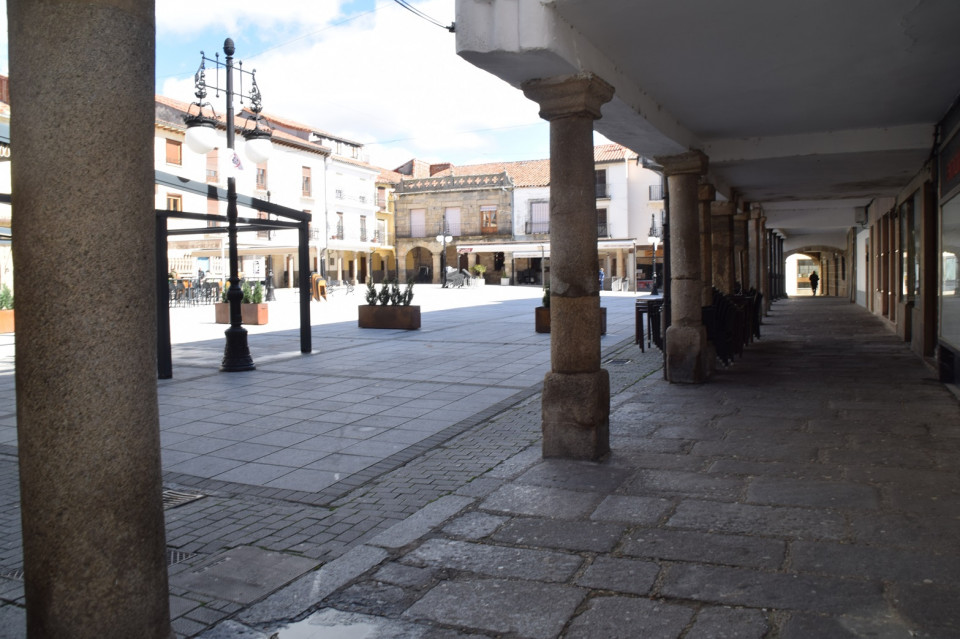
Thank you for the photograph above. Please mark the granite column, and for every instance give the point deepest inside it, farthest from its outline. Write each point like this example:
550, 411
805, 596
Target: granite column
576, 391
82, 86
686, 338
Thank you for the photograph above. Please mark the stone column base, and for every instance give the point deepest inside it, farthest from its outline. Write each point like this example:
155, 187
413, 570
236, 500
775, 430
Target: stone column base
686, 346
576, 415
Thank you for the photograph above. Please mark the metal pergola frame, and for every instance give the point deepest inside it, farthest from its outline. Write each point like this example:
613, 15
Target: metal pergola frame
294, 220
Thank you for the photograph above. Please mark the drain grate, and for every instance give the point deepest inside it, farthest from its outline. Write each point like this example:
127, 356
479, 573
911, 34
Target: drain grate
174, 498
176, 556
13, 574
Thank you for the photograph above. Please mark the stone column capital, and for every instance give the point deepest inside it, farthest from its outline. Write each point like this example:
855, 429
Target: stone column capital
706, 193
722, 208
567, 96
689, 163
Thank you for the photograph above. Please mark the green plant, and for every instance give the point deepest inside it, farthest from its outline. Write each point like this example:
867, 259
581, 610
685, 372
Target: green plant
257, 297
223, 295
247, 292
546, 294
384, 294
408, 293
479, 269
396, 297
6, 298
371, 294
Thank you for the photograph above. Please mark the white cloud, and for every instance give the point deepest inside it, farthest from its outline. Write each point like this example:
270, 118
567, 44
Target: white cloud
387, 76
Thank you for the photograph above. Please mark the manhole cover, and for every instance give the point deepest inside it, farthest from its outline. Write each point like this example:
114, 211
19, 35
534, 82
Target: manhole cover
174, 498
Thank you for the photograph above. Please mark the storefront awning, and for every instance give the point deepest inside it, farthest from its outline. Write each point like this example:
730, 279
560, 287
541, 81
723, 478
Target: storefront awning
537, 249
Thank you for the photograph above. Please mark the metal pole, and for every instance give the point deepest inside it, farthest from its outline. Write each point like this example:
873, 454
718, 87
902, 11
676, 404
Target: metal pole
164, 353
236, 352
306, 344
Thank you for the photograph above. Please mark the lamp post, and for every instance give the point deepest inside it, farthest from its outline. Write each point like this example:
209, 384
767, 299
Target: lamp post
201, 137
443, 238
654, 239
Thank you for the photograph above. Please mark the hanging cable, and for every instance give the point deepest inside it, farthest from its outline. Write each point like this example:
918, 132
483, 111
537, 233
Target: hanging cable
406, 5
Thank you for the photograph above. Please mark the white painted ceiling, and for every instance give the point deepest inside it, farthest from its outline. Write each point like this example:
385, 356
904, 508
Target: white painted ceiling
801, 106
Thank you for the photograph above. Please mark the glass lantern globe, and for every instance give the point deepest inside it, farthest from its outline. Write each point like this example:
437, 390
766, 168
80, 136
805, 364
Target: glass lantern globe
258, 146
201, 134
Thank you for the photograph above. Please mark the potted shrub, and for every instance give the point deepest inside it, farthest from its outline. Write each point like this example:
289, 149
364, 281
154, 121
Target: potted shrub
479, 270
6, 310
504, 278
389, 308
253, 310
542, 314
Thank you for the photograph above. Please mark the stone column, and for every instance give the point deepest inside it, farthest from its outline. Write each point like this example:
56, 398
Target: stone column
722, 246
686, 338
741, 251
82, 84
576, 391
705, 195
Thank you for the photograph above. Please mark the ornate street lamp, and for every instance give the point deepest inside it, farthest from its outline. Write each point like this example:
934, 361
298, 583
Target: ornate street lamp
201, 137
444, 239
654, 239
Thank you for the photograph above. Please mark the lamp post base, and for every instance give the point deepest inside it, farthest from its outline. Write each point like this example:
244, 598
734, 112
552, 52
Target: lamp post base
236, 352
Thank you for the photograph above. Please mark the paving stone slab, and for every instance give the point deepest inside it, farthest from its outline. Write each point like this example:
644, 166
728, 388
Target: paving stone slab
730, 623
528, 609
405, 576
731, 550
931, 606
885, 625
243, 574
539, 501
620, 575
576, 475
631, 509
816, 494
629, 618
779, 591
495, 561
888, 564
758, 520
336, 624
675, 482
474, 525
422, 522
578, 536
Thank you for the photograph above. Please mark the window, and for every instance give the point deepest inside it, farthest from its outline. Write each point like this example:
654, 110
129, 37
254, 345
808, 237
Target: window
213, 167
339, 233
363, 228
601, 179
339, 194
263, 233
602, 230
539, 217
451, 218
262, 176
656, 192
418, 223
382, 197
307, 187
174, 202
174, 152
488, 220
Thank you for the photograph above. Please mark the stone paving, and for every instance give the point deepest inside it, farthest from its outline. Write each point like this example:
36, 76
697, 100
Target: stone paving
810, 490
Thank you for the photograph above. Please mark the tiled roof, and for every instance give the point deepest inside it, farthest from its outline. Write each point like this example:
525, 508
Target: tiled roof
528, 173
280, 137
391, 177
612, 153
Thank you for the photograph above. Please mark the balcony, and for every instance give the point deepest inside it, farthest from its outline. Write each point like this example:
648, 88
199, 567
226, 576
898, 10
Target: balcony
656, 192
602, 229
533, 228
603, 191
338, 234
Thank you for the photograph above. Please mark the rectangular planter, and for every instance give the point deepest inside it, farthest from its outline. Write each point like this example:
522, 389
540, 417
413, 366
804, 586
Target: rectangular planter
542, 319
250, 314
6, 321
405, 318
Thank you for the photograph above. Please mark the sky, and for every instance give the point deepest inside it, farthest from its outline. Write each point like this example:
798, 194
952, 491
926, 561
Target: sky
366, 70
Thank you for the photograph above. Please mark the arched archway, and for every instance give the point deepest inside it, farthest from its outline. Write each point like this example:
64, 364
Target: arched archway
419, 265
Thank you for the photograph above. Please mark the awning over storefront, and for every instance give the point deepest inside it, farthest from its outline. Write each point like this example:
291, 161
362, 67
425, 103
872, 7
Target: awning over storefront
538, 249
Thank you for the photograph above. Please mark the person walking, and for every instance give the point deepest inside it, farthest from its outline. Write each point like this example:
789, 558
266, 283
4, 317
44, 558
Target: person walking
814, 280
601, 279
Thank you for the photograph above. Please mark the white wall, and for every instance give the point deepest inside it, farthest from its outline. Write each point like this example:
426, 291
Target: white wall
861, 267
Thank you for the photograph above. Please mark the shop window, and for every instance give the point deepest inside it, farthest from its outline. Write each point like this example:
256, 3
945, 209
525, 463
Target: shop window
174, 152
